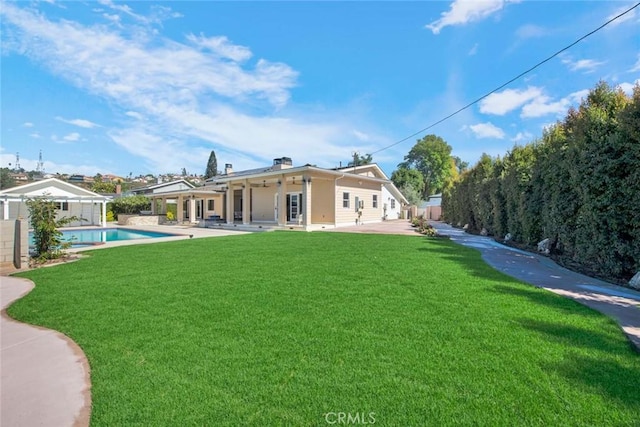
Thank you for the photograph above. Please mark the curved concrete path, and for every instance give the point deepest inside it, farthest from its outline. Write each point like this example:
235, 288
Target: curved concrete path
44, 374
622, 304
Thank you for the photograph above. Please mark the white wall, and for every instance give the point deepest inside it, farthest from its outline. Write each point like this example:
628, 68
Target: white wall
392, 213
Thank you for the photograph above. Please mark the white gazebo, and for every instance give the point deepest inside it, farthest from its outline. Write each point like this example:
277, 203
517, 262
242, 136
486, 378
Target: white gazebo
71, 200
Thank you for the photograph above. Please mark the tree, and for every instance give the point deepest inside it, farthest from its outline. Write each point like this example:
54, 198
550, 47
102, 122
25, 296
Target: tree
410, 182
6, 180
431, 156
212, 166
359, 160
46, 236
103, 187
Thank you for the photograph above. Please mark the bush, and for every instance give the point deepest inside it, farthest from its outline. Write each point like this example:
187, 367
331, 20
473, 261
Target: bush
110, 216
46, 236
130, 205
170, 216
579, 186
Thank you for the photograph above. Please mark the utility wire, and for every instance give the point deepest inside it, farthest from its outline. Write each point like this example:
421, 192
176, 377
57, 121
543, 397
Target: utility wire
510, 81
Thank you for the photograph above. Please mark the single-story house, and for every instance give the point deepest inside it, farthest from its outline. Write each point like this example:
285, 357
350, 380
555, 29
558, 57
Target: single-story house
283, 195
163, 187
71, 200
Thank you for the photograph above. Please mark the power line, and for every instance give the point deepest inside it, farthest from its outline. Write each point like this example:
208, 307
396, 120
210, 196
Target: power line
510, 81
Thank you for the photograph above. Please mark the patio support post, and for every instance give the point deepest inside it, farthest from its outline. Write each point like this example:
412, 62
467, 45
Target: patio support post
282, 201
164, 205
192, 209
153, 206
5, 208
306, 200
104, 213
246, 203
229, 213
180, 210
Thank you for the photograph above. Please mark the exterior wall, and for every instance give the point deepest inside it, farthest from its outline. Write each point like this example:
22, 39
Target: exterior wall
141, 220
386, 199
7, 242
218, 206
433, 212
263, 204
322, 201
88, 211
364, 191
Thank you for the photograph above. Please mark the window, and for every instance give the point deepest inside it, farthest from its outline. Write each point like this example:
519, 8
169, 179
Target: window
345, 200
393, 203
374, 203
62, 206
211, 205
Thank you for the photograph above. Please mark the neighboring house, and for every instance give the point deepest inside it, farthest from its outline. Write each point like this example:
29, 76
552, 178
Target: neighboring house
71, 200
283, 195
163, 187
81, 179
432, 208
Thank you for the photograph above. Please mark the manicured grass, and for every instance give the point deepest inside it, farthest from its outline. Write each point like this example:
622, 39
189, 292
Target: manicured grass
282, 328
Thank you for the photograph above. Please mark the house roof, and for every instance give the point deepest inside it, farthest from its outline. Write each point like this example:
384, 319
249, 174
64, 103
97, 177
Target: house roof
391, 187
163, 184
268, 172
53, 188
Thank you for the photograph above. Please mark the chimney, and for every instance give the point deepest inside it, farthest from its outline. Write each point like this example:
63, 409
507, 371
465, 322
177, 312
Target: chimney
228, 169
282, 163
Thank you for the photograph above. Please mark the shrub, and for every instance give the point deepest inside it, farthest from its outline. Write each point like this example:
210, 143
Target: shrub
46, 236
110, 216
130, 205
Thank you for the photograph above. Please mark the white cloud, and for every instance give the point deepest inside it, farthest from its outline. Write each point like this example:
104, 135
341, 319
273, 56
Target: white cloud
473, 50
27, 124
543, 105
79, 122
361, 136
622, 19
72, 137
134, 114
465, 11
35, 135
586, 65
529, 31
53, 167
628, 87
636, 67
522, 136
487, 130
500, 103
222, 47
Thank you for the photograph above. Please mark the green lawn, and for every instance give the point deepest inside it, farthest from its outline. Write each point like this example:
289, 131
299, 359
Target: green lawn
282, 328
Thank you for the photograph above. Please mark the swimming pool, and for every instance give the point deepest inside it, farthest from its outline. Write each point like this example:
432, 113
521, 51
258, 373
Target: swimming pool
95, 236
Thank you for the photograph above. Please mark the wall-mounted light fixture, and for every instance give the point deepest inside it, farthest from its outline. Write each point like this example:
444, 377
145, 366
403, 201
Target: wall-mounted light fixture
279, 183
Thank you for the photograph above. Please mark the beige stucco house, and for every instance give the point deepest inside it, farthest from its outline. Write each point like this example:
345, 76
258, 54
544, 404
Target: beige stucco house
71, 201
283, 195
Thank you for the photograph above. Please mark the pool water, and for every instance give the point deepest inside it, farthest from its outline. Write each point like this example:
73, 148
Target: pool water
103, 235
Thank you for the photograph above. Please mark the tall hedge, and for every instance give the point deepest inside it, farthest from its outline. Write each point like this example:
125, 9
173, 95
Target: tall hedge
578, 185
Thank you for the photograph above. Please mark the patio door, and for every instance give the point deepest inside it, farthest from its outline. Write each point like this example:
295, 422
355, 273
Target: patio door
294, 206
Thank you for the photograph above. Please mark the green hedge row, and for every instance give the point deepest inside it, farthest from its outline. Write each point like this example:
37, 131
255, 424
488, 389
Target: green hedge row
579, 186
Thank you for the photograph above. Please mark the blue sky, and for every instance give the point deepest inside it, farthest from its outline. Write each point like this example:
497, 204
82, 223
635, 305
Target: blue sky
153, 87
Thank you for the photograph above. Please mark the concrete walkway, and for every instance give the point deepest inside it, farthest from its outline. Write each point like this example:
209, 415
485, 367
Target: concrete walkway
622, 304
44, 374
